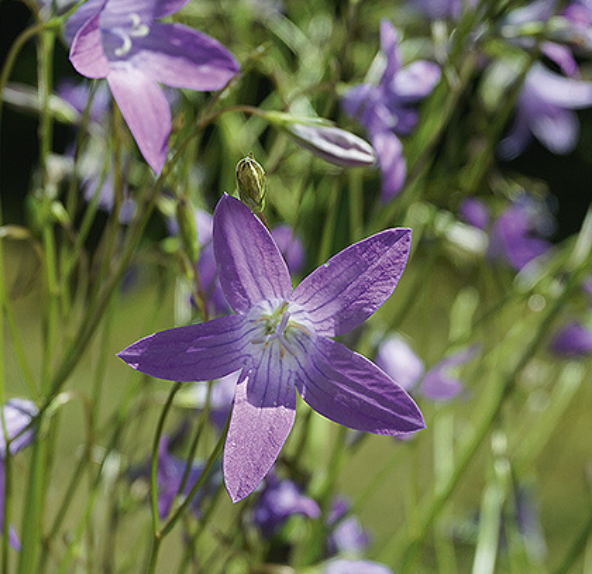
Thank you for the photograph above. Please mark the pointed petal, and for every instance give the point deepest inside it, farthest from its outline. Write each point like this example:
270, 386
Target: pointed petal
145, 110
194, 353
263, 414
388, 45
351, 390
180, 57
81, 17
353, 284
250, 264
86, 54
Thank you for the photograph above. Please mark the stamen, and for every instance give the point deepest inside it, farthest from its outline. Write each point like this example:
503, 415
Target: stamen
137, 30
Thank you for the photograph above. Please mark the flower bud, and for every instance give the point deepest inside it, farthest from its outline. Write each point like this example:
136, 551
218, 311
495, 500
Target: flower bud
188, 228
326, 141
252, 183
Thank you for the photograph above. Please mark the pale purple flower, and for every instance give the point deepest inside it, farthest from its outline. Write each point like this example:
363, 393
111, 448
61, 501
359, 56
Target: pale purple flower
123, 42
544, 110
573, 340
18, 414
388, 109
475, 212
290, 246
517, 235
279, 340
340, 566
401, 363
279, 500
347, 535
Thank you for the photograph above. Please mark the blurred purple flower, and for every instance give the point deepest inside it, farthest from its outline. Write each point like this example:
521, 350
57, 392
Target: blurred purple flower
441, 9
544, 110
347, 535
475, 212
290, 246
340, 566
400, 362
279, 339
221, 397
18, 414
517, 234
573, 340
77, 94
169, 475
279, 500
123, 42
388, 109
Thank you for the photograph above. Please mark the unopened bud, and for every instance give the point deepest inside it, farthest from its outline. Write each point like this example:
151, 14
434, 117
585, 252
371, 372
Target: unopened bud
188, 229
252, 183
326, 141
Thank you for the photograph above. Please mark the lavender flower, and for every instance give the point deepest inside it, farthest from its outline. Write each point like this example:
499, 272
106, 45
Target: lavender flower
279, 340
399, 361
18, 414
290, 246
347, 536
123, 42
387, 110
355, 567
279, 500
475, 212
573, 340
544, 110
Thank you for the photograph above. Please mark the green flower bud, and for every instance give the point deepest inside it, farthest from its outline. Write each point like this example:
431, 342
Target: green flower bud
188, 228
252, 183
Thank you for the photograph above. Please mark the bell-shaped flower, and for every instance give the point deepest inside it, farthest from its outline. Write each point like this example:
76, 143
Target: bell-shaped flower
279, 500
545, 110
124, 43
387, 110
279, 339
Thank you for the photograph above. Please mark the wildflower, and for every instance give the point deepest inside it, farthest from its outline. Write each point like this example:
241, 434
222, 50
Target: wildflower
354, 567
18, 414
279, 340
475, 212
347, 533
544, 110
400, 362
572, 340
387, 110
279, 500
123, 42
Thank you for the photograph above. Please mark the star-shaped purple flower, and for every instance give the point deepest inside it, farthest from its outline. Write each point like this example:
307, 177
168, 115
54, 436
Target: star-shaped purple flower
388, 109
279, 340
122, 41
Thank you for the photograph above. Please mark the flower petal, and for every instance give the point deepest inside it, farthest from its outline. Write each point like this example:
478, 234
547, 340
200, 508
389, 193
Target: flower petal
81, 17
353, 284
86, 53
392, 163
145, 109
351, 390
263, 414
250, 264
180, 57
388, 45
557, 130
415, 81
194, 353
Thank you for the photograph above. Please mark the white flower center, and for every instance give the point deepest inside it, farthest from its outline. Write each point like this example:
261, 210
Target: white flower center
135, 30
284, 323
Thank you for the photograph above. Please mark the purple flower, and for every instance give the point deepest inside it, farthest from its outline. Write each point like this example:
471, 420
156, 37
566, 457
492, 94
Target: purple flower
387, 110
169, 475
347, 536
441, 9
18, 414
544, 110
516, 235
279, 500
573, 340
290, 246
221, 397
279, 340
399, 361
475, 212
123, 42
354, 567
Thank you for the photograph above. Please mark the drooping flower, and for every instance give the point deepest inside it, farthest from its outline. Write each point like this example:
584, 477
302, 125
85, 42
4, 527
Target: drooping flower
544, 110
18, 414
124, 43
279, 500
387, 110
573, 340
279, 340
